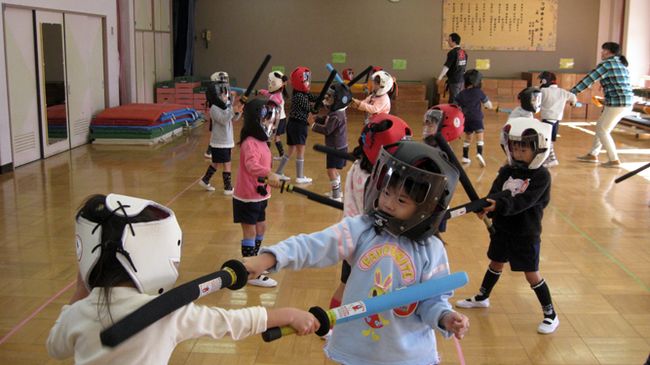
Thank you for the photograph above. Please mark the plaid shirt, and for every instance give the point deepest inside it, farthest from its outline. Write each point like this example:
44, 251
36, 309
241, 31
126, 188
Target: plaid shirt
615, 80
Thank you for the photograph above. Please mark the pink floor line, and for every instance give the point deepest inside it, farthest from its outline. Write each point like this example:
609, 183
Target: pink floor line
38, 310
60, 292
459, 350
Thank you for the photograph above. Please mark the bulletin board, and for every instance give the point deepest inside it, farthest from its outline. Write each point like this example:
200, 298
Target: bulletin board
502, 25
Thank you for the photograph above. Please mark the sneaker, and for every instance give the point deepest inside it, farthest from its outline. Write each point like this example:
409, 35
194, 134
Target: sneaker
615, 163
303, 180
227, 191
466, 161
207, 155
284, 177
276, 158
588, 158
481, 160
548, 325
205, 186
329, 194
263, 281
473, 303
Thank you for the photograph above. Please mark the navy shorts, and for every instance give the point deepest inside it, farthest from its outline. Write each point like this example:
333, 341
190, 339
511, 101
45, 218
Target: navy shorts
220, 155
249, 212
334, 162
473, 126
521, 251
282, 127
556, 127
297, 132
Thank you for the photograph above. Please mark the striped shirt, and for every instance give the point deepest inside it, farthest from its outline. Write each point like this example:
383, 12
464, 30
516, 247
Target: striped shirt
615, 80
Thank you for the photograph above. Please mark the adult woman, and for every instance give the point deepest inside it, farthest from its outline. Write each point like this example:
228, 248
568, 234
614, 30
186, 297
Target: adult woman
615, 80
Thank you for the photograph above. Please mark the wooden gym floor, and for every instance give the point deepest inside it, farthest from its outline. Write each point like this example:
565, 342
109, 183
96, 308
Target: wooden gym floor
595, 251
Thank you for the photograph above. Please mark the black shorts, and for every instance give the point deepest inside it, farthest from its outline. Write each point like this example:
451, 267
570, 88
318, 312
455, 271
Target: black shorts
521, 251
346, 269
556, 126
220, 155
249, 212
473, 126
297, 132
334, 162
282, 127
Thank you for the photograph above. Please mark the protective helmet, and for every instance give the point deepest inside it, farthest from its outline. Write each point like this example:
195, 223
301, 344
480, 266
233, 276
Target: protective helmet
384, 82
261, 117
453, 121
382, 129
547, 79
530, 99
300, 79
529, 131
473, 78
220, 76
425, 174
348, 74
146, 242
339, 95
276, 80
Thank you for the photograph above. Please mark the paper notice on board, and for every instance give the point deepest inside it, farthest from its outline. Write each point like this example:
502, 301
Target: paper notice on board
566, 63
399, 64
338, 57
482, 63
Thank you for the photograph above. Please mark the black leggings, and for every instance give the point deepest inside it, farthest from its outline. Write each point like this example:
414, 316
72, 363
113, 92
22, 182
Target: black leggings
345, 271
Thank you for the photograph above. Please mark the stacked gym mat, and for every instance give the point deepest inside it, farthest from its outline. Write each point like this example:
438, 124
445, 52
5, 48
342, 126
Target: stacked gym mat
141, 123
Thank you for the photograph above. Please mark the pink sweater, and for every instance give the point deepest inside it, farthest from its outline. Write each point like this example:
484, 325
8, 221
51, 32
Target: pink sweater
254, 162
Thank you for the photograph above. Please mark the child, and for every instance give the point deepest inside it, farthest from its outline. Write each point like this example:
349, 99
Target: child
251, 196
277, 91
334, 127
530, 102
471, 100
222, 113
297, 127
517, 218
448, 118
212, 96
383, 129
378, 100
552, 108
128, 250
391, 246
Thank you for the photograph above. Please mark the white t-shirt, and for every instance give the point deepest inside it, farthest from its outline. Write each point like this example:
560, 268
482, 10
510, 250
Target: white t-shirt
553, 101
76, 331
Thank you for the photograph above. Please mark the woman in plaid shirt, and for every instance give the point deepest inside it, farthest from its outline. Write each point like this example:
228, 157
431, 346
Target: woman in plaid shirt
615, 80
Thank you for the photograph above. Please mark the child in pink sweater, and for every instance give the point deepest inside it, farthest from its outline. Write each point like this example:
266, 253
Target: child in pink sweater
252, 192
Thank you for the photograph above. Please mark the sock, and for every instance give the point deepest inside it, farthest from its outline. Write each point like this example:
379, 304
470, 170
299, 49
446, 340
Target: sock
283, 163
258, 243
336, 188
208, 174
300, 168
227, 180
466, 149
334, 303
489, 281
479, 147
278, 145
544, 297
248, 247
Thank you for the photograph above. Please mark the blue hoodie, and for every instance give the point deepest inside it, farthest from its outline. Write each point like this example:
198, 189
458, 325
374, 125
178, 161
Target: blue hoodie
380, 264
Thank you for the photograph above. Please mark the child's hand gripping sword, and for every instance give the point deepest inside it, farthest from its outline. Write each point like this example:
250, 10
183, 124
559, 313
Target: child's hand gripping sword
233, 275
370, 306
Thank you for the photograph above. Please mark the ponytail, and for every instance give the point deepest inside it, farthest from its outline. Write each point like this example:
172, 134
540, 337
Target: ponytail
623, 60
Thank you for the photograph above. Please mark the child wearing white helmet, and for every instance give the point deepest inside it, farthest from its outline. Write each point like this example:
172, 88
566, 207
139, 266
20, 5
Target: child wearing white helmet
517, 218
128, 251
378, 101
222, 113
277, 82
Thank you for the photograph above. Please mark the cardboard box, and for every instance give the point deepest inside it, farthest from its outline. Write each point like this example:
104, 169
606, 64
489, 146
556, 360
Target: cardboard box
578, 113
566, 81
593, 112
518, 85
504, 83
489, 84
503, 91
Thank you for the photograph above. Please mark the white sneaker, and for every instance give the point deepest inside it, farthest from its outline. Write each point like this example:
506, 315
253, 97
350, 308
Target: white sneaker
263, 281
276, 158
207, 155
227, 192
548, 325
303, 180
284, 177
481, 160
329, 195
473, 303
466, 161
205, 186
